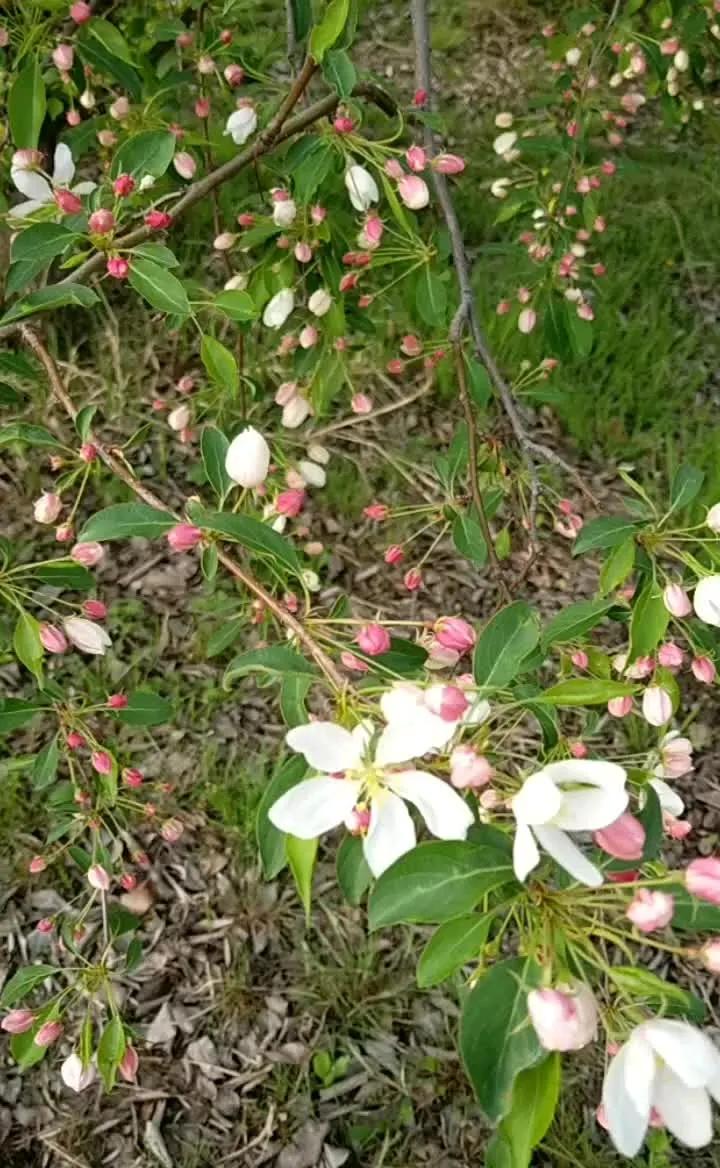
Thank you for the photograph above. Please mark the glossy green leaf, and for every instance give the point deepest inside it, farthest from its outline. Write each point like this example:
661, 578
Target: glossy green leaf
648, 622
15, 713
271, 841
213, 448
574, 622
110, 1051
27, 644
159, 287
618, 566
504, 643
29, 434
692, 915
606, 532
301, 856
686, 486
293, 691
534, 1100
65, 574
149, 152
656, 994
123, 520
24, 982
277, 660
42, 241
339, 72
236, 305
26, 104
353, 873
251, 533
329, 29
584, 691
467, 535
220, 365
431, 297
453, 945
44, 770
48, 299
145, 708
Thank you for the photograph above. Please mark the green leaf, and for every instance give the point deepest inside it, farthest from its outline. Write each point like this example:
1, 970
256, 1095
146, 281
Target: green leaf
534, 1100
102, 47
159, 287
497, 1039
15, 713
83, 421
453, 945
64, 574
222, 637
276, 660
157, 253
574, 621
328, 31
431, 297
692, 915
309, 160
301, 856
618, 566
134, 955
27, 644
249, 532
149, 152
584, 691
353, 873
479, 382
23, 982
121, 920
110, 1051
437, 881
302, 17
45, 766
686, 485
122, 520
606, 532
467, 535
236, 305
293, 691
271, 841
29, 434
656, 993
504, 643
209, 561
404, 657
651, 818
42, 242
47, 299
213, 447
26, 106
220, 365
145, 708
648, 622
339, 71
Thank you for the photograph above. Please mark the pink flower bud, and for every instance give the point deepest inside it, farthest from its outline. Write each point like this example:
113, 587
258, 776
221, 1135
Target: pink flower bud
183, 537
650, 910
64, 533
224, 241
202, 109
624, 839
413, 191
49, 1032
119, 110
52, 639
128, 881
72, 117
63, 57
36, 865
656, 705
454, 633
179, 418
396, 367
17, 1021
101, 762
309, 337
47, 508
447, 702
184, 40
703, 670
527, 320
413, 579
291, 502
117, 701
205, 66
124, 185
702, 879
676, 600
670, 655
87, 554
185, 165
132, 777
420, 98
67, 202
159, 220
98, 878
128, 1065
80, 12
376, 511
361, 404
118, 267
303, 253
226, 36
74, 740
468, 768
411, 346
620, 707
171, 831
234, 75
350, 661
95, 609
710, 956
580, 659
101, 222
564, 1018
416, 158
343, 125
45, 925
318, 214
449, 164
578, 750
394, 554
373, 639
669, 47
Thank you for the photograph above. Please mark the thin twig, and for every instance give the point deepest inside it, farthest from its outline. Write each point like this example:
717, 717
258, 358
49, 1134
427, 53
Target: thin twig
116, 463
359, 418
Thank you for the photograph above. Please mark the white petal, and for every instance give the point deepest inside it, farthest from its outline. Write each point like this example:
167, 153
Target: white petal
689, 1052
592, 772
590, 809
627, 1115
362, 734
31, 184
84, 188
446, 814
401, 701
391, 833
685, 1110
478, 713
412, 730
568, 855
63, 166
23, 209
670, 801
538, 800
525, 851
327, 747
315, 806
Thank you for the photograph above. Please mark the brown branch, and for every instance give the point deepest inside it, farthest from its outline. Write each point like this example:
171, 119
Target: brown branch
467, 315
114, 462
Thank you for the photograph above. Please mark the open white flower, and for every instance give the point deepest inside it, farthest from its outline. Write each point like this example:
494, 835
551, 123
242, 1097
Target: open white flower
37, 188
572, 795
413, 728
353, 768
241, 124
667, 1065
